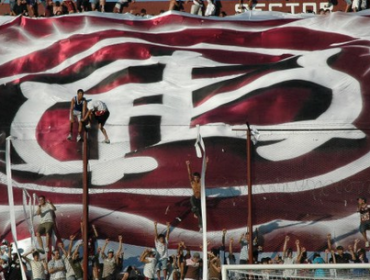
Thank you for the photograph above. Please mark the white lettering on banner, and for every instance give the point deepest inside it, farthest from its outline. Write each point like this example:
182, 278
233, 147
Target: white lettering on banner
176, 107
311, 5
293, 8
272, 5
260, 5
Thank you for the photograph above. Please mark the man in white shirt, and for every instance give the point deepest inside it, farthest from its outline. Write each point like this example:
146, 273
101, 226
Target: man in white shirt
161, 246
38, 266
56, 267
46, 212
244, 248
288, 257
100, 111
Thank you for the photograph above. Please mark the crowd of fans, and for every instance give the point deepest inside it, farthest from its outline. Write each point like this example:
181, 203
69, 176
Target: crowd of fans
64, 260
66, 263
198, 7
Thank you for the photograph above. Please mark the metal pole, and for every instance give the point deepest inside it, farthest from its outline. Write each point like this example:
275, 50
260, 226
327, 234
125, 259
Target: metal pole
204, 216
85, 203
249, 183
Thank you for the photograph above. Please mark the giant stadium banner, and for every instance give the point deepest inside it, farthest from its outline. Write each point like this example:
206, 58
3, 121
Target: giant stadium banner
230, 7
301, 82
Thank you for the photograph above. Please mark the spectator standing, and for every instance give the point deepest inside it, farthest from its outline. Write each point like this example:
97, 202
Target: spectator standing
46, 211
181, 258
4, 252
67, 258
211, 9
348, 5
15, 267
38, 266
230, 259
49, 8
76, 263
364, 211
33, 8
244, 248
76, 111
109, 263
20, 8
57, 9
161, 246
359, 256
340, 256
11, 5
214, 265
317, 259
119, 258
70, 6
101, 113
56, 267
359, 5
3, 269
94, 265
191, 268
149, 258
288, 256
197, 7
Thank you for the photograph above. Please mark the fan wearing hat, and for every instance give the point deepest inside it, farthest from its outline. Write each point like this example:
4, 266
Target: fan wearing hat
340, 256
109, 262
364, 211
149, 258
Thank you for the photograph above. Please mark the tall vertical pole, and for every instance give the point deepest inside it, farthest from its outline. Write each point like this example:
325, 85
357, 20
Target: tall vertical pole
200, 150
249, 183
204, 216
85, 203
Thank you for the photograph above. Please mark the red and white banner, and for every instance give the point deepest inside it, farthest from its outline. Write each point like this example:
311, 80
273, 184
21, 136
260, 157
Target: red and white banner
301, 82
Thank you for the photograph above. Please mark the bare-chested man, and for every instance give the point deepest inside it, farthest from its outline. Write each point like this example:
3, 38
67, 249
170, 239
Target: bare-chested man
195, 183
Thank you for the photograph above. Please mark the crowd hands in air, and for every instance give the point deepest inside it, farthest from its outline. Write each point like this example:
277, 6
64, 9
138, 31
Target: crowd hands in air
158, 264
198, 7
64, 259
